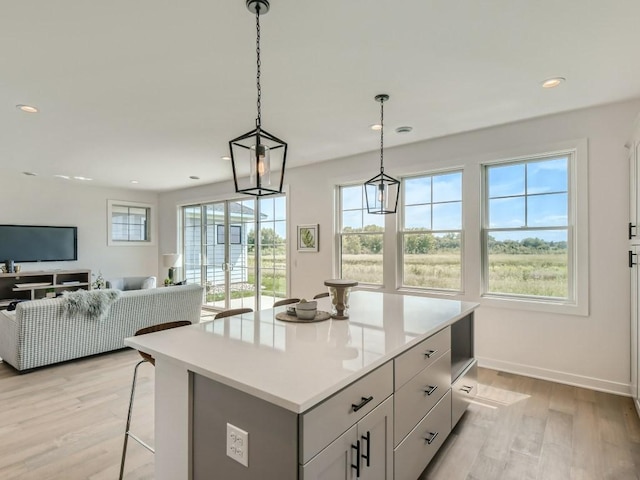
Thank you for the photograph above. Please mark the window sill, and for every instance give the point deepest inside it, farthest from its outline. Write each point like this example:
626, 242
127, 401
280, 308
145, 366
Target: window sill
533, 305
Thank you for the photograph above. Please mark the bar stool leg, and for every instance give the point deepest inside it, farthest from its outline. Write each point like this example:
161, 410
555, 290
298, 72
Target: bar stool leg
126, 430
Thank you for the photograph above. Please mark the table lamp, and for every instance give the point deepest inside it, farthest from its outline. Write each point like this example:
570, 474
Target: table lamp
171, 261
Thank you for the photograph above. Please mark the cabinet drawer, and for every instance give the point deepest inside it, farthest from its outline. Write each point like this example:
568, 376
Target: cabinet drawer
421, 356
415, 452
326, 422
463, 391
419, 395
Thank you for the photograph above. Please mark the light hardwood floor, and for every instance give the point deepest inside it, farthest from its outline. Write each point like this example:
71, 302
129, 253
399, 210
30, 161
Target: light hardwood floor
521, 428
66, 422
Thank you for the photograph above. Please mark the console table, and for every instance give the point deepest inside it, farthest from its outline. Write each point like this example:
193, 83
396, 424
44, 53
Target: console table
34, 285
373, 397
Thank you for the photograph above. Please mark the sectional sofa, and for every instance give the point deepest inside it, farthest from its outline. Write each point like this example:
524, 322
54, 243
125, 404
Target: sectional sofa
40, 332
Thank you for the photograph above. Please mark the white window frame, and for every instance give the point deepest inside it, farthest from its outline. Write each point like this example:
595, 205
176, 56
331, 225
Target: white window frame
151, 222
578, 233
401, 232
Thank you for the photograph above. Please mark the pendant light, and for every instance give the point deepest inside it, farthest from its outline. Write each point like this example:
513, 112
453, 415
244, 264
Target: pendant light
263, 153
382, 191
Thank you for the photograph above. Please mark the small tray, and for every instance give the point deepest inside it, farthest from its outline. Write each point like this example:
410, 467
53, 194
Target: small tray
320, 316
33, 285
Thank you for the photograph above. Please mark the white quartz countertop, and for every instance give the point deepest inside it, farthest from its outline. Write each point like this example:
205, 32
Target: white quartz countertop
297, 365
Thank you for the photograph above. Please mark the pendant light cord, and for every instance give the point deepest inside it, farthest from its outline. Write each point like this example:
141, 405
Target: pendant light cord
259, 117
381, 135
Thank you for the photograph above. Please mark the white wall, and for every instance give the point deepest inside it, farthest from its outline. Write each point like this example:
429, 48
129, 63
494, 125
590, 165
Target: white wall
591, 350
42, 201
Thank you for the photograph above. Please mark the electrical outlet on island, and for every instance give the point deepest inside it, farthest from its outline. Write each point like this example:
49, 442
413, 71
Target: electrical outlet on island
238, 444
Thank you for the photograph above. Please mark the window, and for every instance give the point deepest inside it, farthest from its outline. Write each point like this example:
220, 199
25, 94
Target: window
234, 230
431, 232
361, 238
129, 223
273, 247
528, 234
237, 250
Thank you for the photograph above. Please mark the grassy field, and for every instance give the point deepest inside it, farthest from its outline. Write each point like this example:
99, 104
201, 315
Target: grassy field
523, 274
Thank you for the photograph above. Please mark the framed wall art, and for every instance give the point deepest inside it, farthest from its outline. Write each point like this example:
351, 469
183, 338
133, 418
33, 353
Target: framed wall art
308, 237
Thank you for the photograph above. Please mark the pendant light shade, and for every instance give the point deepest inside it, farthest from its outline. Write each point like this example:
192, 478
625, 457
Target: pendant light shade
257, 157
382, 191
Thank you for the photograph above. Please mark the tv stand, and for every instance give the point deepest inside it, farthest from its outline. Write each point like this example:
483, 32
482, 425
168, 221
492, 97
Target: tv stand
35, 285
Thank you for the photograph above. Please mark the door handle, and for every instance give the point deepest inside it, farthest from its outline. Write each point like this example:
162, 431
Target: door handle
367, 457
356, 447
631, 262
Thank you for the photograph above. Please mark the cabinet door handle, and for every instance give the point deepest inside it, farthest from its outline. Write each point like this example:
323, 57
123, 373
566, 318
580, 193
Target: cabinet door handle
364, 401
467, 388
430, 353
432, 436
367, 437
631, 262
430, 389
631, 227
356, 447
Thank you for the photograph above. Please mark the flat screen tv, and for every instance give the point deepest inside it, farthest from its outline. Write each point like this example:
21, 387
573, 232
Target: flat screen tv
38, 243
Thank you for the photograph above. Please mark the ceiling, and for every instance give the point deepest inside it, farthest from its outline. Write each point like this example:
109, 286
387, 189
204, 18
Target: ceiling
152, 90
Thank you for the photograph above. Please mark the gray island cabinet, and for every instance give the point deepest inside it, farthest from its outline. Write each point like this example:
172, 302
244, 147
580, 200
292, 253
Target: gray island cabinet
372, 397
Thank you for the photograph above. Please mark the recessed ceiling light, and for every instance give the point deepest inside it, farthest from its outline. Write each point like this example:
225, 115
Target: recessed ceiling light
66, 177
225, 157
134, 182
553, 82
29, 174
194, 177
375, 127
83, 179
27, 108
404, 129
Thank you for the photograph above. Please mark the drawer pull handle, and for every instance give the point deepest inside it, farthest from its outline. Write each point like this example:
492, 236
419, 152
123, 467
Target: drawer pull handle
432, 436
430, 353
467, 388
367, 437
431, 389
356, 447
364, 401
631, 227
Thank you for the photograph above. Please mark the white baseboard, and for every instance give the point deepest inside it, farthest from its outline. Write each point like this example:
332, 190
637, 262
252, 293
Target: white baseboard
637, 402
558, 377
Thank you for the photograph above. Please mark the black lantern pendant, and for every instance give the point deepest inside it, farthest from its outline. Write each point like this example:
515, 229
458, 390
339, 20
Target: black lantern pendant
266, 154
382, 191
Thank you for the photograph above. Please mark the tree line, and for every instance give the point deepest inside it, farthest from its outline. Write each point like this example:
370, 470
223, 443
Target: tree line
426, 242
419, 243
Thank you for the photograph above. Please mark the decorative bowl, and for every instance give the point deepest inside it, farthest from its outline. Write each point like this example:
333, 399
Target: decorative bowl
306, 310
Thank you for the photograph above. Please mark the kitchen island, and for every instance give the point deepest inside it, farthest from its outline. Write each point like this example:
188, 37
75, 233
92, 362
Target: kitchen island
369, 397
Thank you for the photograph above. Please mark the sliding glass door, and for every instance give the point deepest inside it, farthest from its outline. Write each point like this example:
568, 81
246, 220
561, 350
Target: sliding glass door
222, 252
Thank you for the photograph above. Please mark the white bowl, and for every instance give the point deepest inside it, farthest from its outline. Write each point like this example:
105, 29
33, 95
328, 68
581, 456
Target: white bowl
307, 305
307, 310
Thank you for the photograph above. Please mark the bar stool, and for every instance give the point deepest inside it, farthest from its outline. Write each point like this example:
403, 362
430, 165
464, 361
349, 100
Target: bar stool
231, 312
145, 358
286, 301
